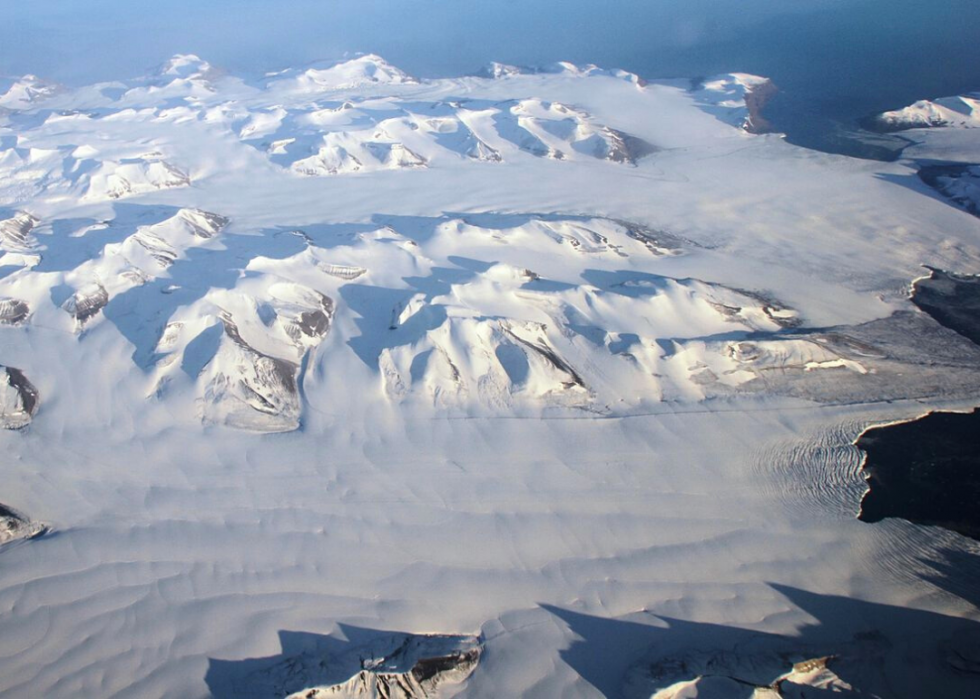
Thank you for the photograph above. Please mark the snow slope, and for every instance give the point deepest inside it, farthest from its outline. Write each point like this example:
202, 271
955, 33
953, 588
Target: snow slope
961, 111
943, 145
343, 383
737, 98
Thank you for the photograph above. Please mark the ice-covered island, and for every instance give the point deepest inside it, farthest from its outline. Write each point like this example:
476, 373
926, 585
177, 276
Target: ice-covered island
534, 383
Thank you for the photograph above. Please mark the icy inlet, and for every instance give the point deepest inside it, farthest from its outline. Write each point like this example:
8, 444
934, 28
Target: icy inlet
344, 383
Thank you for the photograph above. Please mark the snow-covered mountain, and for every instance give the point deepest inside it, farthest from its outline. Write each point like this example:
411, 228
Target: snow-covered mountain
339, 382
364, 71
27, 92
961, 111
385, 135
738, 98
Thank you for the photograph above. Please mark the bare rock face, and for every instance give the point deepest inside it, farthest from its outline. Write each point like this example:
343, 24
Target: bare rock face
345, 272
952, 299
86, 302
960, 183
119, 180
203, 224
140, 258
14, 525
369, 664
756, 100
18, 399
737, 98
13, 311
423, 680
16, 233
251, 390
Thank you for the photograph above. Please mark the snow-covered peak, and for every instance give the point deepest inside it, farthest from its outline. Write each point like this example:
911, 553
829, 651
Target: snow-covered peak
961, 111
366, 70
186, 66
182, 76
502, 70
28, 91
495, 70
560, 67
185, 71
734, 83
737, 98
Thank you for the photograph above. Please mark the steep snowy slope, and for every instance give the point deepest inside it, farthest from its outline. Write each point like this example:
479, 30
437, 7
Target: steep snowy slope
383, 134
737, 98
27, 92
534, 383
138, 259
945, 149
962, 111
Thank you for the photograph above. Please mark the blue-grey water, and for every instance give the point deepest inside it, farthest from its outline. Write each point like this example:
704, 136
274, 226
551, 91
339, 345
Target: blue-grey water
834, 60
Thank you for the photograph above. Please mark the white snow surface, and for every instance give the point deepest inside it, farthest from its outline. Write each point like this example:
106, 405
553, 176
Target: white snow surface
729, 96
540, 359
960, 111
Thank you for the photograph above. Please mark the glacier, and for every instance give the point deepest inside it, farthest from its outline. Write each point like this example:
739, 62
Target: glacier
342, 382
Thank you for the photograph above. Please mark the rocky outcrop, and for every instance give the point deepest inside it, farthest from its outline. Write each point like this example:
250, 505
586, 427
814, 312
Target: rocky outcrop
958, 183
14, 525
424, 679
18, 399
850, 668
756, 99
737, 98
952, 299
367, 664
16, 233
13, 311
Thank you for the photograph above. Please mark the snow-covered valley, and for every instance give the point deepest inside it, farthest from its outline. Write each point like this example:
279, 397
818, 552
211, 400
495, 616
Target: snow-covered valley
541, 383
